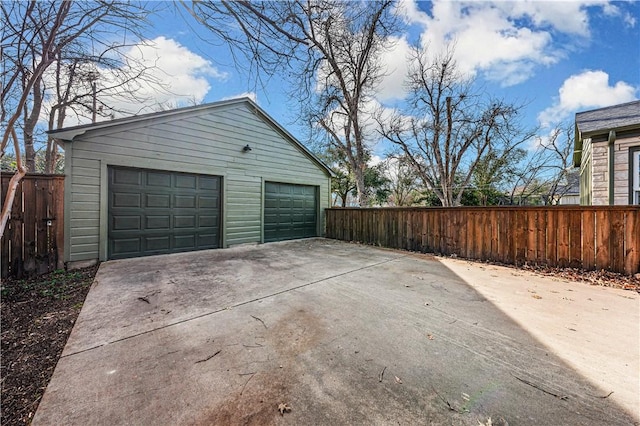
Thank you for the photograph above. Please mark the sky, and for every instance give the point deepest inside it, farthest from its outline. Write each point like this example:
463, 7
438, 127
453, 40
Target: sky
554, 57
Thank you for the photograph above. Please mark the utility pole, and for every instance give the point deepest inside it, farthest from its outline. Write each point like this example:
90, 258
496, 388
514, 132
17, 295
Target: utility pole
92, 76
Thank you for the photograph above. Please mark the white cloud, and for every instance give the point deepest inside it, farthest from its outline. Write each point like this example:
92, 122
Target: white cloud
505, 41
173, 77
488, 39
630, 20
587, 90
184, 74
375, 160
570, 17
397, 63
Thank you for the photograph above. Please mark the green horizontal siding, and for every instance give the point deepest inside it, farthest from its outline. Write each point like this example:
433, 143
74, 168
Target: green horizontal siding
204, 142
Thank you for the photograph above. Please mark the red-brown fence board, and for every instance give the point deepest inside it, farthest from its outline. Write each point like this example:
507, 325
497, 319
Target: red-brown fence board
575, 239
632, 244
33, 242
603, 239
594, 237
588, 239
541, 237
551, 246
617, 240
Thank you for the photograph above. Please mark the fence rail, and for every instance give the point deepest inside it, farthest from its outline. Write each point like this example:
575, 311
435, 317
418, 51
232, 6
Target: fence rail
33, 242
590, 238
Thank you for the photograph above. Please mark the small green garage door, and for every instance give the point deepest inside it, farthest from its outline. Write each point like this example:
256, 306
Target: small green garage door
290, 211
157, 212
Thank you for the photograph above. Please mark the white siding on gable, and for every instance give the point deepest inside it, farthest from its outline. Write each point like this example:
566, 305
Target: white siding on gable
206, 141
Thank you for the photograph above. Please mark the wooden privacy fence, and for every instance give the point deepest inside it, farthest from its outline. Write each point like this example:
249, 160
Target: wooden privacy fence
590, 238
33, 242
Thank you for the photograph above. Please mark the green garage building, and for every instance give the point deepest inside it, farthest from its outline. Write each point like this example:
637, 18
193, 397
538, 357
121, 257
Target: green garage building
194, 178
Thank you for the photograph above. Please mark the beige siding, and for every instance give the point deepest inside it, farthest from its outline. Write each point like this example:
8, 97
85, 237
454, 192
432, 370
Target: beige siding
621, 168
600, 174
208, 141
595, 171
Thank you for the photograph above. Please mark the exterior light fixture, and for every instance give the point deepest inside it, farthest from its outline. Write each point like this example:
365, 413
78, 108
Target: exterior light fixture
246, 148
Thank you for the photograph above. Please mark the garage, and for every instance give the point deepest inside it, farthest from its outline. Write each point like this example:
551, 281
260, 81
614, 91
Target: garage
290, 211
207, 176
158, 212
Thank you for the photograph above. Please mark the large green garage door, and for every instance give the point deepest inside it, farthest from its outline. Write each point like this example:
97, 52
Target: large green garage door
157, 212
290, 211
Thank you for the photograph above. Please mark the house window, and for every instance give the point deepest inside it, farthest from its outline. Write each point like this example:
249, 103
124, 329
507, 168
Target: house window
635, 175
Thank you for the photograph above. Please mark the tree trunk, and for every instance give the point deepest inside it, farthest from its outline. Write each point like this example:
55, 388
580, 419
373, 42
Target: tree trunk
30, 121
13, 186
363, 196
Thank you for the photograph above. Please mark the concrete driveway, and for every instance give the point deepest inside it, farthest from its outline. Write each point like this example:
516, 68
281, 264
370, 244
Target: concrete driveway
341, 333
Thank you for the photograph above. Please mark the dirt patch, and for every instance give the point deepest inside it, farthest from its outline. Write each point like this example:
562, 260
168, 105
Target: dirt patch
295, 333
37, 317
256, 402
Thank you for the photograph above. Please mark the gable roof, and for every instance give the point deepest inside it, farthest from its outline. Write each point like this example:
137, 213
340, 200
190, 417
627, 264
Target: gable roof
67, 134
601, 121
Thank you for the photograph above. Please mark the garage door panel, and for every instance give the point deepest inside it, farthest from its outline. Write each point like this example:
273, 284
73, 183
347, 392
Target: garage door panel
184, 221
124, 223
185, 201
180, 212
158, 201
159, 222
271, 203
184, 241
124, 199
186, 181
204, 240
158, 243
209, 183
126, 246
208, 221
159, 179
128, 177
208, 202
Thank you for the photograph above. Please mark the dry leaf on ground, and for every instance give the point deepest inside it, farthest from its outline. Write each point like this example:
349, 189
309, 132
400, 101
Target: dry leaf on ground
283, 408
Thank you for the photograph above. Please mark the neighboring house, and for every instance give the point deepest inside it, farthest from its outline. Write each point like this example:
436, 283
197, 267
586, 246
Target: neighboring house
194, 178
568, 193
607, 150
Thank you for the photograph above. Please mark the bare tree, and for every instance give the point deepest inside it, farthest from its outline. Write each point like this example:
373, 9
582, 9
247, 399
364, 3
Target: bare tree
91, 84
35, 36
495, 173
544, 176
449, 127
331, 50
402, 181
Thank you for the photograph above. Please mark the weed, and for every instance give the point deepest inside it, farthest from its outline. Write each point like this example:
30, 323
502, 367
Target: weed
58, 284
